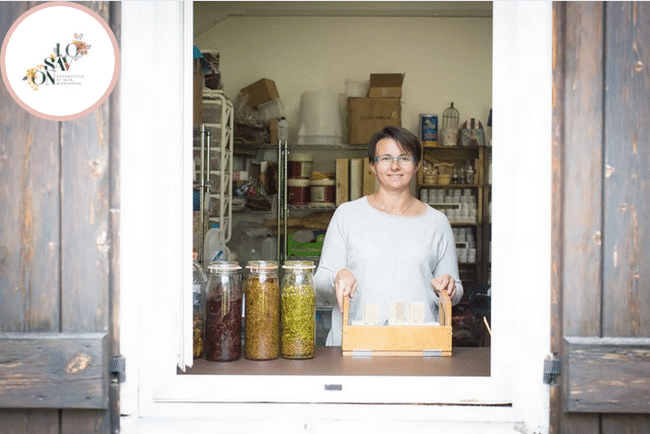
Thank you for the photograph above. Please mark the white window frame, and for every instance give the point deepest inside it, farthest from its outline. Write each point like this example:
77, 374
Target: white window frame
156, 167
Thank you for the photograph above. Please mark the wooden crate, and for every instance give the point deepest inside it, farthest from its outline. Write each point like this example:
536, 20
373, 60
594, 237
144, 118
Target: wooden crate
398, 340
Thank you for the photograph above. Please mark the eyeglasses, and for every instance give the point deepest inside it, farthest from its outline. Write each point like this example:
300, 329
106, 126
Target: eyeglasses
387, 160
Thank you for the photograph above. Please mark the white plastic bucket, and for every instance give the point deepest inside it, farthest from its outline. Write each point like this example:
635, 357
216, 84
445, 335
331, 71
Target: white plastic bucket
320, 119
323, 191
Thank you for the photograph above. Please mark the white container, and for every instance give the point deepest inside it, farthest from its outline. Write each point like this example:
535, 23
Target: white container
283, 129
300, 165
323, 191
211, 112
214, 248
356, 89
270, 249
298, 191
271, 109
320, 119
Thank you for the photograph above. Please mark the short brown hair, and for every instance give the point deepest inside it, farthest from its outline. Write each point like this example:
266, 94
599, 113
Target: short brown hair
404, 138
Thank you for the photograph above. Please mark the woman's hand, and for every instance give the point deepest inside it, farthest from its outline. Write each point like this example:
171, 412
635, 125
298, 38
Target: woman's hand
344, 284
444, 283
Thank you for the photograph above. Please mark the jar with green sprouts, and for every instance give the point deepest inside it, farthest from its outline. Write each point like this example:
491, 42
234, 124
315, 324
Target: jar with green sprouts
298, 310
262, 320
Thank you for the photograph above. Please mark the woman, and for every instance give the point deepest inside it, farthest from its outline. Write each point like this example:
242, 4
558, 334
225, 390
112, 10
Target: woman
388, 247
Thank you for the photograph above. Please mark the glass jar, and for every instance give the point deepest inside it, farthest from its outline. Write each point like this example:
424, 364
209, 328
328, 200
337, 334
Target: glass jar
298, 310
223, 312
262, 313
198, 315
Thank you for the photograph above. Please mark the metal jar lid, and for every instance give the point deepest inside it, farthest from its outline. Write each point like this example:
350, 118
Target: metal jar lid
261, 266
299, 265
224, 267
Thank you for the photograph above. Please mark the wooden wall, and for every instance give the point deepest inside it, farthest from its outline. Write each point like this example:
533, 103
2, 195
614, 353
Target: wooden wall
601, 199
59, 245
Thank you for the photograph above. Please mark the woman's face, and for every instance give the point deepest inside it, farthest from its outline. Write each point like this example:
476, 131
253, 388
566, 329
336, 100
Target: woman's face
395, 175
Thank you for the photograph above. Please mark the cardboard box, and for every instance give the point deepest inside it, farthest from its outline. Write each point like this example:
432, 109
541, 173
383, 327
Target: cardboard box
385, 85
197, 94
261, 91
366, 116
273, 129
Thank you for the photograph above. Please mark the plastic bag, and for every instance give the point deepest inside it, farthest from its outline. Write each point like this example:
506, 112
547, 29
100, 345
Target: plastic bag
244, 114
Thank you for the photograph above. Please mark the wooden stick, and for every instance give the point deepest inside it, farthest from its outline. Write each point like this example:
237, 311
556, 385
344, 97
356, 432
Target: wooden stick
444, 308
346, 310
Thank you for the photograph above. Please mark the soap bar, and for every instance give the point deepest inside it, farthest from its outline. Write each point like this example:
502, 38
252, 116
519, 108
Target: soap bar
416, 312
371, 313
396, 314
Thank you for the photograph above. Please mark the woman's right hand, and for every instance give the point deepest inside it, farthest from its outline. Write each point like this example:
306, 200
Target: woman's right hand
344, 284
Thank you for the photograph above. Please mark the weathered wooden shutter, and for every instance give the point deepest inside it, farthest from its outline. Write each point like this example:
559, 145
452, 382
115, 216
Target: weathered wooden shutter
601, 234
59, 234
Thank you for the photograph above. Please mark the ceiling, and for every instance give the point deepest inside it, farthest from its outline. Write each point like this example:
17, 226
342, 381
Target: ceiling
208, 14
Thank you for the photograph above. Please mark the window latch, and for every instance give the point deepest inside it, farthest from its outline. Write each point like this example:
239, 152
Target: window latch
552, 369
118, 369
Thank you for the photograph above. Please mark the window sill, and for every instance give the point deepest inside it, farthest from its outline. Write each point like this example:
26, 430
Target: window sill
465, 362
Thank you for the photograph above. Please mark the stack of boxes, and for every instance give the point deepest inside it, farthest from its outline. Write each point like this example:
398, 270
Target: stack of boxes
381, 108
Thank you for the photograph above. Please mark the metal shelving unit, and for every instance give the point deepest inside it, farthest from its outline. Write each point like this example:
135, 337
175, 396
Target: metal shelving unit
284, 149
213, 177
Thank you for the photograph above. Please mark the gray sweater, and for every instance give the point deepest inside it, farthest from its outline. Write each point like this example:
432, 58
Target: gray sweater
392, 257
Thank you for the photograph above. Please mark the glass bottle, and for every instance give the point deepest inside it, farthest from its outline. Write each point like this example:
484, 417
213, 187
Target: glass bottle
223, 312
470, 175
298, 310
462, 179
198, 316
262, 313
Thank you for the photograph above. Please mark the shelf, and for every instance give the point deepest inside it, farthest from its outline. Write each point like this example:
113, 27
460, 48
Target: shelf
341, 147
456, 148
313, 206
246, 146
217, 219
474, 273
248, 211
441, 204
449, 186
198, 148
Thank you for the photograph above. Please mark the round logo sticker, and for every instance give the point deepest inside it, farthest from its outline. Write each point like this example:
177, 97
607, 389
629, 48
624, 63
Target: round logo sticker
60, 61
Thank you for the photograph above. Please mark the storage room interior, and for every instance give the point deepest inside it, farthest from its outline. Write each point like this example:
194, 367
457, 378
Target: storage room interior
443, 50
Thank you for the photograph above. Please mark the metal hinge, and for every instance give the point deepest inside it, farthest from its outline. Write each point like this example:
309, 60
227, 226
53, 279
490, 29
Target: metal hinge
118, 369
431, 353
361, 354
552, 369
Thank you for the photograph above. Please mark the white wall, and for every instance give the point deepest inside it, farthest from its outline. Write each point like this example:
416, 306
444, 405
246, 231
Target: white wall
445, 59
